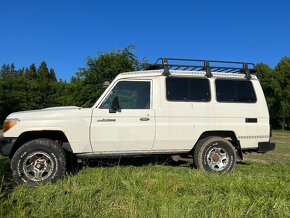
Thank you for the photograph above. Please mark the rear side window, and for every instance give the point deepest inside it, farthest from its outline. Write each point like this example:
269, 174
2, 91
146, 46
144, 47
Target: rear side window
187, 89
237, 91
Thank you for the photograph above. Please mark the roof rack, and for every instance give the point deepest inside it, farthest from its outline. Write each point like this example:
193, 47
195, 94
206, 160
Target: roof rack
208, 66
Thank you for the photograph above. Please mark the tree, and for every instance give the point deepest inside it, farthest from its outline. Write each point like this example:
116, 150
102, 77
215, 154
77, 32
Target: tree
7, 70
31, 73
23, 89
52, 76
43, 72
46, 79
88, 82
282, 91
269, 84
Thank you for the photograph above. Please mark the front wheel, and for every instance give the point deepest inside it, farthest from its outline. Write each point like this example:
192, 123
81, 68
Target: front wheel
215, 154
39, 160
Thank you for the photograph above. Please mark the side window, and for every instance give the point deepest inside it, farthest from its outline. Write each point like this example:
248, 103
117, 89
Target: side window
237, 91
187, 89
131, 94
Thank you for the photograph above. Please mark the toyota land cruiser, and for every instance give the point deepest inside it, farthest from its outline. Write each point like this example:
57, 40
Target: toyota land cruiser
211, 111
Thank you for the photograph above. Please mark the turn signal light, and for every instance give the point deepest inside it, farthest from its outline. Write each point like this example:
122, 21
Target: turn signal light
8, 124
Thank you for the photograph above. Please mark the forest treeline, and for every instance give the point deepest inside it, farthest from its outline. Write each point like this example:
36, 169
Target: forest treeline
37, 87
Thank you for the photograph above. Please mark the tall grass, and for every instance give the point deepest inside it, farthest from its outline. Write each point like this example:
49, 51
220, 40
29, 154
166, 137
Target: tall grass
259, 187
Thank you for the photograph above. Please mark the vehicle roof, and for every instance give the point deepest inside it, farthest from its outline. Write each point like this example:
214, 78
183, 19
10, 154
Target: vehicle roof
156, 73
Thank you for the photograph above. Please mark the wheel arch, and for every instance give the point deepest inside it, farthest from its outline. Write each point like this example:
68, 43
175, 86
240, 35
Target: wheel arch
55, 135
224, 134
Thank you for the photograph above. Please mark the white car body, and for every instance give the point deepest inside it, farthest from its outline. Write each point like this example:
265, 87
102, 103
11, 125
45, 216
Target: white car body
165, 127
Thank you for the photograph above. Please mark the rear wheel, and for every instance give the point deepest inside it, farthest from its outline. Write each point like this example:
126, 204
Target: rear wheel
39, 160
215, 154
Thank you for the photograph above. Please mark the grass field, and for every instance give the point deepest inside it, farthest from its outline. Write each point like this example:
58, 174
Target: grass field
259, 187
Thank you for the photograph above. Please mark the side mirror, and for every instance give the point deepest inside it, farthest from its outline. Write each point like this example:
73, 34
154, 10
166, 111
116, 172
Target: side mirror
115, 105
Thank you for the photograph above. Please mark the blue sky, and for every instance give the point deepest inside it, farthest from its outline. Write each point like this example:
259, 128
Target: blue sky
63, 33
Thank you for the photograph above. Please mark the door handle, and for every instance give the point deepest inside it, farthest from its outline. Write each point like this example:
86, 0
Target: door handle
144, 119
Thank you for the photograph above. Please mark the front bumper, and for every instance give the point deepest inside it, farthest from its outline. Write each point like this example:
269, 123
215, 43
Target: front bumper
264, 147
6, 145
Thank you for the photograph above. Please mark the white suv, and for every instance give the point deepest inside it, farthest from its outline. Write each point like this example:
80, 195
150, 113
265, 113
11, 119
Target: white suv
211, 111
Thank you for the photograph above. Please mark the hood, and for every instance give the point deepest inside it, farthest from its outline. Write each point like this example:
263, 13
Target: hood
46, 112
60, 108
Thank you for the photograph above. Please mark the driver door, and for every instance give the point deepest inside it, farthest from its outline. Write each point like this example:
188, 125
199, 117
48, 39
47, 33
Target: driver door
129, 128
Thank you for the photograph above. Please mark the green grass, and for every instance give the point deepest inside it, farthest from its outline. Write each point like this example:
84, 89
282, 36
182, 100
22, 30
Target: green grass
259, 187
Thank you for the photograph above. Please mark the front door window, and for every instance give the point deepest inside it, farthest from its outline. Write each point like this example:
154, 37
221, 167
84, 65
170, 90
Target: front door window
131, 95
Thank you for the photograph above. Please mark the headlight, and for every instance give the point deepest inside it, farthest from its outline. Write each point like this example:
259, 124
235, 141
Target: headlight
9, 123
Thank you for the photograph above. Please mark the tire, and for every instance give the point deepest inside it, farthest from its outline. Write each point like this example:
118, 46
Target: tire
39, 160
215, 154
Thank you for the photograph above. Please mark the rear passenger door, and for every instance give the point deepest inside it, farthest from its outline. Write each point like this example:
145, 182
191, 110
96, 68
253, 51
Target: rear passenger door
184, 108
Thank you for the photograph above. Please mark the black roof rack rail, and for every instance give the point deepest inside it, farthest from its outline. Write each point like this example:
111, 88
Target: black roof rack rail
208, 66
